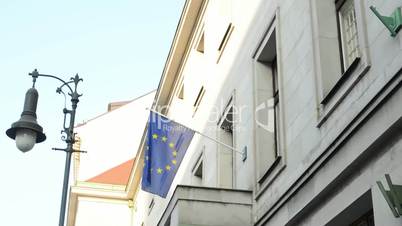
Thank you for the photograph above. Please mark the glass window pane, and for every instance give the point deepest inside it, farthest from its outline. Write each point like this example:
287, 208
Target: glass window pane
349, 35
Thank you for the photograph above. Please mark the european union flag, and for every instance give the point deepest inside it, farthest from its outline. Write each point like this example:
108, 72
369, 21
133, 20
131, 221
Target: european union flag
166, 145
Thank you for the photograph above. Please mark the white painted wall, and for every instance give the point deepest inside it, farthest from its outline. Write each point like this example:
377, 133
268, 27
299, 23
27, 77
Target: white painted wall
112, 138
98, 212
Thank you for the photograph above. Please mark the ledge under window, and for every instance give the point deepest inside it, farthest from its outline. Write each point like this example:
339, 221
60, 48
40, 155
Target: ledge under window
341, 81
342, 89
269, 176
269, 171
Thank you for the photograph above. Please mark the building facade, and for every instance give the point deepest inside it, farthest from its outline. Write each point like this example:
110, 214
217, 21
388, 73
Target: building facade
103, 185
307, 92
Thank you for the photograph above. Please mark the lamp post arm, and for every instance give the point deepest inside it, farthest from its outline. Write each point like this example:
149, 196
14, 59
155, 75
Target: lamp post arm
69, 131
35, 74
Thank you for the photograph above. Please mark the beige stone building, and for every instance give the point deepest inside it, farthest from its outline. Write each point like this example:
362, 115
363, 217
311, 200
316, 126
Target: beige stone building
102, 182
306, 91
308, 94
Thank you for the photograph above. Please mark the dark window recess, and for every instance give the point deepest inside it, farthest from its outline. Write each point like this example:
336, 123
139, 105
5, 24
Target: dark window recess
225, 37
151, 206
275, 85
198, 170
181, 93
365, 220
200, 46
199, 98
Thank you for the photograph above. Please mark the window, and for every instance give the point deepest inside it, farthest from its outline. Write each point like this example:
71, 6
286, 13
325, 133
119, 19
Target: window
198, 169
267, 109
151, 206
167, 223
225, 155
224, 40
223, 26
366, 220
225, 37
340, 56
348, 32
359, 213
200, 44
199, 98
275, 96
180, 94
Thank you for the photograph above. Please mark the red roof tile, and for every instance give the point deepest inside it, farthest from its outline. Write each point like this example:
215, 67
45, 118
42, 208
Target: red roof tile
117, 175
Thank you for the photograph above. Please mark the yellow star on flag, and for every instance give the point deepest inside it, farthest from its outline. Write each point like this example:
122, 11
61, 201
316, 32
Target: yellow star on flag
168, 168
160, 171
174, 153
171, 144
174, 161
164, 139
155, 136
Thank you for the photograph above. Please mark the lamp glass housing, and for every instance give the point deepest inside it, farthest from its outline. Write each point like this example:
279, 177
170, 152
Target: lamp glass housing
25, 139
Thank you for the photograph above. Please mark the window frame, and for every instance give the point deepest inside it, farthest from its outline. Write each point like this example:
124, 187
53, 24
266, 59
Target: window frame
359, 209
277, 118
230, 105
331, 95
199, 164
199, 44
198, 100
275, 85
263, 181
225, 39
180, 92
151, 206
365, 218
338, 6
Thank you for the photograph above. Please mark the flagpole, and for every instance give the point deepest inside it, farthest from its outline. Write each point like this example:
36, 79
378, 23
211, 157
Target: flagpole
198, 132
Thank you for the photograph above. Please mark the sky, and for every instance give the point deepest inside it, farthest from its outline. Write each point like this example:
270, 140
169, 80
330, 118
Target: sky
118, 47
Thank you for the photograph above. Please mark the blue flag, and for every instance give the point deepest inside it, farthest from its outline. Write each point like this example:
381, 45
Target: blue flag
166, 145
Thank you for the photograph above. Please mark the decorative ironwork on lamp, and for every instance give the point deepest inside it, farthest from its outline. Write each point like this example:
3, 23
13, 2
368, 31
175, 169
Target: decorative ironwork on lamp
26, 131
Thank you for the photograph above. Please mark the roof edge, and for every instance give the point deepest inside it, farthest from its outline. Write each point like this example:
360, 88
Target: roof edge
179, 48
107, 112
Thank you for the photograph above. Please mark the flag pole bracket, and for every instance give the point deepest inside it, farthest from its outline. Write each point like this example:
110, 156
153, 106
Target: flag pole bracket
393, 23
393, 196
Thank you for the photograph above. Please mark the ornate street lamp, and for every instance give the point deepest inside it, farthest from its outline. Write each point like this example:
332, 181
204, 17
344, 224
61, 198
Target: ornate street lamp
26, 131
